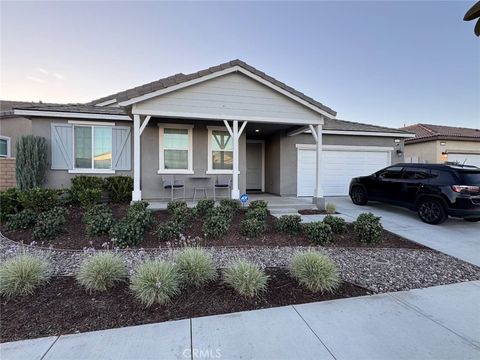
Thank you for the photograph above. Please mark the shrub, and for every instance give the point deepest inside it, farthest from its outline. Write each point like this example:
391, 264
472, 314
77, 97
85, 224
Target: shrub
31, 161
290, 224
98, 220
368, 228
169, 230
246, 278
89, 197
330, 208
232, 204
255, 204
258, 213
101, 271
337, 224
319, 232
204, 206
139, 213
119, 188
196, 267
9, 203
183, 216
126, 233
38, 199
25, 219
315, 271
215, 226
155, 281
252, 227
174, 205
83, 182
223, 211
49, 224
22, 274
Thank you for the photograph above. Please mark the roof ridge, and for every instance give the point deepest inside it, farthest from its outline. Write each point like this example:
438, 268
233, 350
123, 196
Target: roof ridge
426, 128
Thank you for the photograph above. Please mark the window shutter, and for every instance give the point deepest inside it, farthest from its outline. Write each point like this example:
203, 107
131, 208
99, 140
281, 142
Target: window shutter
62, 146
121, 148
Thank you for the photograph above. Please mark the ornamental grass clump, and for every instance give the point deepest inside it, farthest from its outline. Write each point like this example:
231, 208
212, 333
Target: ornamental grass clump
319, 232
315, 271
330, 208
289, 224
368, 228
22, 274
196, 267
101, 271
155, 281
246, 278
337, 224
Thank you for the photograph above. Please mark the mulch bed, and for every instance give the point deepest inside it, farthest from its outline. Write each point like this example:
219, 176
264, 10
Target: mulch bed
63, 307
75, 236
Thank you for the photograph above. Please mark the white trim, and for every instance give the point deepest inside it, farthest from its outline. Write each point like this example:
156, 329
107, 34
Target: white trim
263, 160
145, 123
70, 115
9, 150
299, 131
344, 147
95, 123
209, 151
137, 192
91, 171
233, 69
368, 133
107, 102
219, 172
161, 159
219, 128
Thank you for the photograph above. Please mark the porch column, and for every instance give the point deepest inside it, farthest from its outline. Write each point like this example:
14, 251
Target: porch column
318, 198
136, 193
235, 190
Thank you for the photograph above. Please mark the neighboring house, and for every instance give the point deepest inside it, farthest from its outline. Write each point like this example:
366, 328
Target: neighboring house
439, 144
230, 119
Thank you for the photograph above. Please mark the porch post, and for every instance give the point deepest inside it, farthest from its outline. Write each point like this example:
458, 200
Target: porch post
136, 193
235, 190
318, 198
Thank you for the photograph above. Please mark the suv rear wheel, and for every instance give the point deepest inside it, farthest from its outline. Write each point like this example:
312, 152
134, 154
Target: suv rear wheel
359, 196
431, 211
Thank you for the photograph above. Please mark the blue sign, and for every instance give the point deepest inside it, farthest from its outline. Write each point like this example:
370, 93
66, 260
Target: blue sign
244, 198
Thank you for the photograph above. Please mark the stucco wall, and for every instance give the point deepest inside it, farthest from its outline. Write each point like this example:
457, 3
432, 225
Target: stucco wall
422, 152
431, 151
13, 127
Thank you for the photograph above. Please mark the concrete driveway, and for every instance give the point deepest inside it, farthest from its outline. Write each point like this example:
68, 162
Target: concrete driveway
454, 237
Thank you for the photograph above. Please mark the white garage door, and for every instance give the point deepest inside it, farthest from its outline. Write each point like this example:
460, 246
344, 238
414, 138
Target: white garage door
338, 168
469, 159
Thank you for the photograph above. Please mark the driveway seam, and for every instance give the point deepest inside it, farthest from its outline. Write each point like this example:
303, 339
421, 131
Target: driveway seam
419, 311
50, 347
308, 325
191, 339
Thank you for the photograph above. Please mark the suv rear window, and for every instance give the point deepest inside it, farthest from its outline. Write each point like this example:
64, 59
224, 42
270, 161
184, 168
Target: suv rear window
469, 178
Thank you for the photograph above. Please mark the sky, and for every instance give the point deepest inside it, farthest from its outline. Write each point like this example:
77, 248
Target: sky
382, 62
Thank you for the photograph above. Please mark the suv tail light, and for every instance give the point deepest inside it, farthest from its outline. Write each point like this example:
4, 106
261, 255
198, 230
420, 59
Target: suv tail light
466, 189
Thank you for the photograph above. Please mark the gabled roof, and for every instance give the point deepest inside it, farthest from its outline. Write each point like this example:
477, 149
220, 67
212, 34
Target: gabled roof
182, 78
428, 132
344, 125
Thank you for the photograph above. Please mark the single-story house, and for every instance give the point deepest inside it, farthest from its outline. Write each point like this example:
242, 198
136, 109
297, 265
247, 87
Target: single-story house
231, 119
439, 144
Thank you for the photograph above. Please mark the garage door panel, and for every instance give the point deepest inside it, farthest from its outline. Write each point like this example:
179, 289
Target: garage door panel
469, 159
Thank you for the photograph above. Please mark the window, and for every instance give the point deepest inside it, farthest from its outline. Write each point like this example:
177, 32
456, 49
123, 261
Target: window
415, 174
92, 147
175, 149
4, 146
394, 172
220, 151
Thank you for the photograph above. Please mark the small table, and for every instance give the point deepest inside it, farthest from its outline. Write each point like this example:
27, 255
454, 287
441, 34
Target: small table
199, 188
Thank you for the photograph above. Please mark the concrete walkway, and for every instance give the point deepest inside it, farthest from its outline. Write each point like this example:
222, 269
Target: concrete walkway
435, 323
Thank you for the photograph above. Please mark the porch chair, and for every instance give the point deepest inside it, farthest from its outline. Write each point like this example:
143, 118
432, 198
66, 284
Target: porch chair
223, 182
169, 182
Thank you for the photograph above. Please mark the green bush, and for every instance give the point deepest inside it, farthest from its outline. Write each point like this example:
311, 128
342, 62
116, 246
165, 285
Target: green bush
83, 182
49, 224
258, 213
98, 220
174, 205
289, 224
25, 219
101, 271
169, 230
337, 224
38, 199
232, 204
139, 213
319, 232
22, 274
119, 188
184, 216
155, 282
252, 227
246, 278
89, 197
196, 267
9, 203
31, 161
204, 206
315, 271
215, 226
330, 208
223, 211
129, 232
255, 204
368, 228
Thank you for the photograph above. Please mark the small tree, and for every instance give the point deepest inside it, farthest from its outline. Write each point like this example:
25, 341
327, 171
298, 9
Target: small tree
31, 162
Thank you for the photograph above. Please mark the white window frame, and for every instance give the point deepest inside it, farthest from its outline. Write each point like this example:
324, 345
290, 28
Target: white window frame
161, 156
210, 170
92, 125
9, 153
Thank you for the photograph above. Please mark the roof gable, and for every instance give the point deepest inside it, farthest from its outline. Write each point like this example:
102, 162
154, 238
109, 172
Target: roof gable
427, 132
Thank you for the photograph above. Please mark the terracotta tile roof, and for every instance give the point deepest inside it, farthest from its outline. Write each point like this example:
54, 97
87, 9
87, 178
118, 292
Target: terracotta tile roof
180, 78
427, 132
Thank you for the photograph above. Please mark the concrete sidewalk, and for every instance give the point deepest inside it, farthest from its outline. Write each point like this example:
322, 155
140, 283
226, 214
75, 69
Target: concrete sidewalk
435, 323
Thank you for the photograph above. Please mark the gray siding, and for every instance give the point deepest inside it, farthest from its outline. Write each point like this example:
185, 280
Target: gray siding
272, 164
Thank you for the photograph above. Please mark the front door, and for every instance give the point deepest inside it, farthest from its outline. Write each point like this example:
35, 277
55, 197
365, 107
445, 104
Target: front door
254, 166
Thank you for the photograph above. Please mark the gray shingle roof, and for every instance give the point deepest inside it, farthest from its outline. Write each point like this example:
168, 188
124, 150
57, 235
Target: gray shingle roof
344, 125
181, 78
